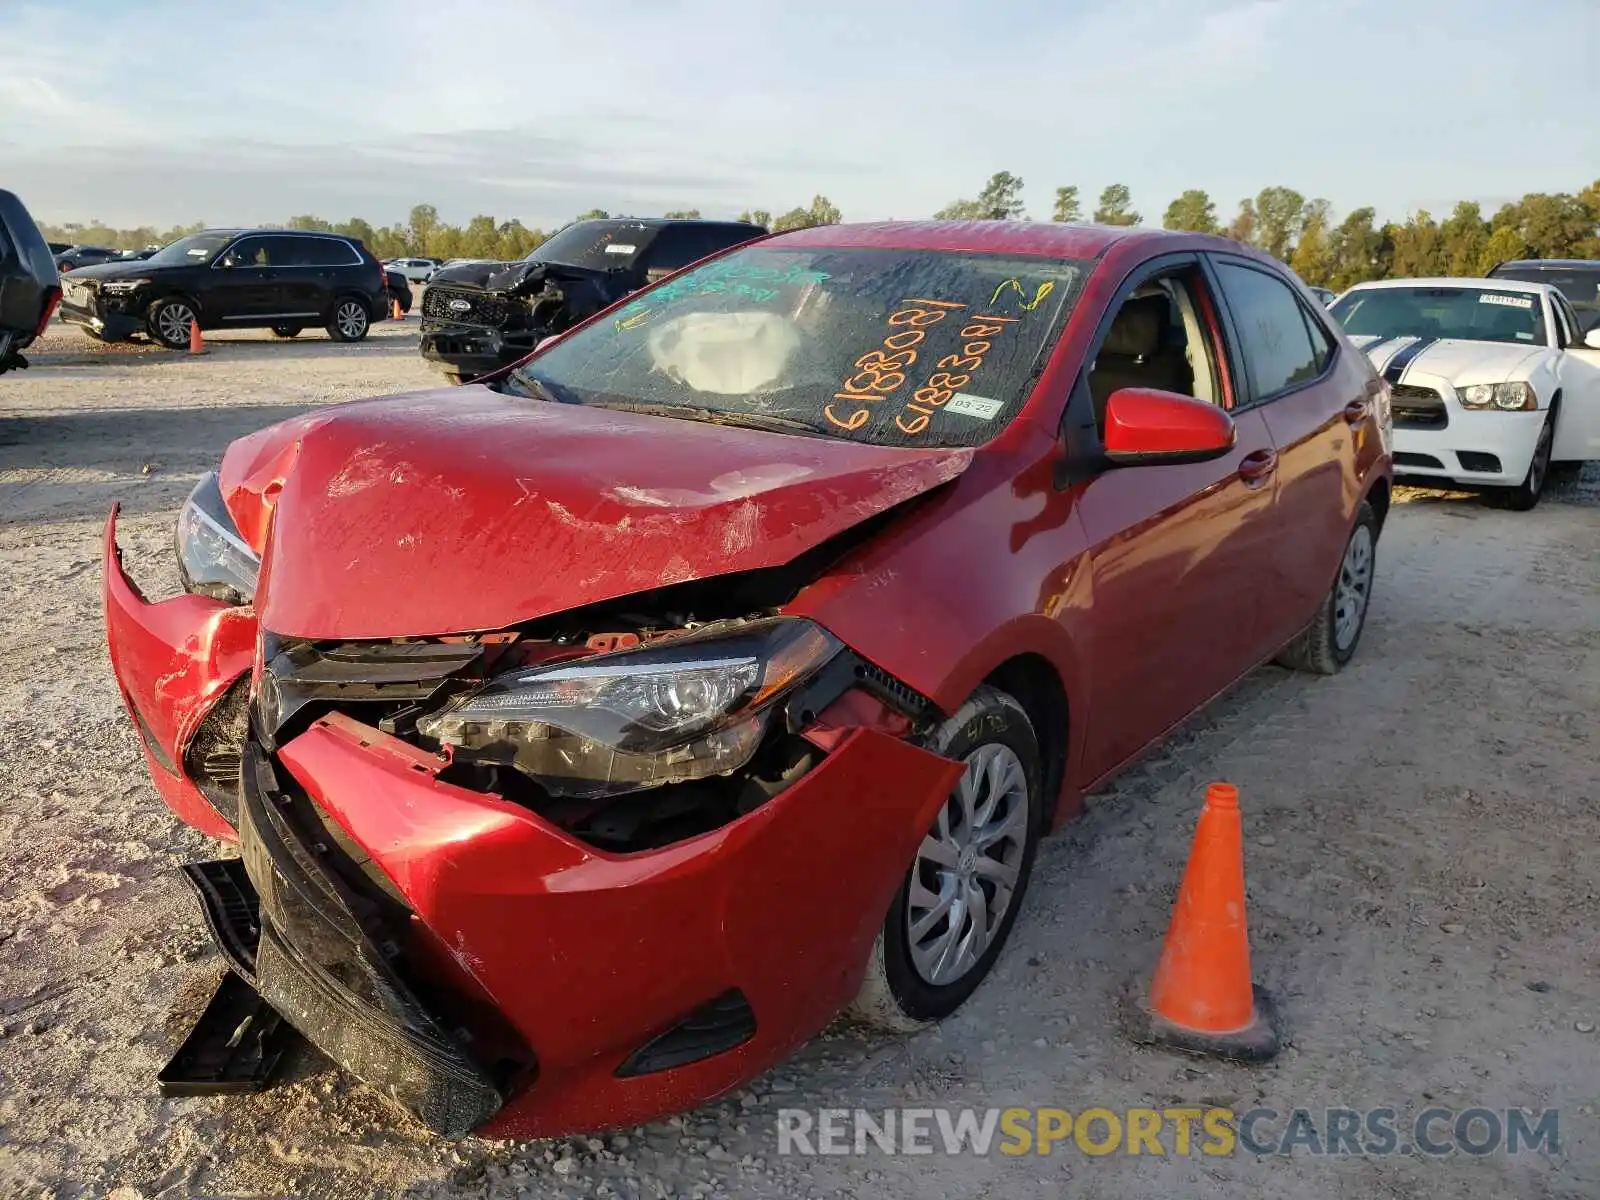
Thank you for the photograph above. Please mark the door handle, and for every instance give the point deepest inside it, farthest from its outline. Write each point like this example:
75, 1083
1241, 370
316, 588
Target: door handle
1258, 466
1355, 412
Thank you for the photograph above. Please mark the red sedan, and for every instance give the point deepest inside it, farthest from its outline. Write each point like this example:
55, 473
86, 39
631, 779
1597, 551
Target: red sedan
594, 735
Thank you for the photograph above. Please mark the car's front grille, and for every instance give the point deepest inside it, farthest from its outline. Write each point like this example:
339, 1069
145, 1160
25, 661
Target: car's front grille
465, 306
1418, 407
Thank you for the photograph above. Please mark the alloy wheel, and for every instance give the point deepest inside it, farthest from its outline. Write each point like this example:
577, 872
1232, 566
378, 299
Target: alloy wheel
1353, 589
173, 322
351, 319
968, 866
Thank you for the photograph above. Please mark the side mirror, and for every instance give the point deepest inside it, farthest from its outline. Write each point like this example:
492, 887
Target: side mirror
1145, 426
1592, 339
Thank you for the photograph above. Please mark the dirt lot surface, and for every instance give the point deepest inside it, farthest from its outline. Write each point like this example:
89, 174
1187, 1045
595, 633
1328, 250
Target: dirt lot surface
1421, 833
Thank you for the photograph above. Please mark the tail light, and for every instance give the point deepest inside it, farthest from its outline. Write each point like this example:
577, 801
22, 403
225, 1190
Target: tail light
52, 301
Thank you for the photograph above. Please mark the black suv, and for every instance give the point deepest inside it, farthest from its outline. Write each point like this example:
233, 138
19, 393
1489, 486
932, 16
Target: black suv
1577, 279
479, 317
281, 279
30, 289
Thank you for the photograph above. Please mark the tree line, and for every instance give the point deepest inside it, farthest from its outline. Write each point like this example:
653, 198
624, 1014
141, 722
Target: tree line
1278, 220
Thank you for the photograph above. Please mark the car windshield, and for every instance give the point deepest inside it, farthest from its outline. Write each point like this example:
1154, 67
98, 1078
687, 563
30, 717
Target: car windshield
197, 248
1469, 313
595, 245
891, 347
1580, 285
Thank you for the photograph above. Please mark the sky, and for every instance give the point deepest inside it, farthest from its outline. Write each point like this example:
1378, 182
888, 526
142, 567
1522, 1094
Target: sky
164, 111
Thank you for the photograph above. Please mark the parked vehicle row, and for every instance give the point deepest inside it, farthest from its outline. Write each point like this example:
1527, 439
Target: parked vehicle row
565, 684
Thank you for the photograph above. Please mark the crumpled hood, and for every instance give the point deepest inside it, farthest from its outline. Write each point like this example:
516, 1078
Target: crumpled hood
461, 509
1454, 359
123, 268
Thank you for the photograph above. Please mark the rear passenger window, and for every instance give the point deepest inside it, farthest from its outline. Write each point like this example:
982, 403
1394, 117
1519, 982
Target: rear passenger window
1274, 335
322, 252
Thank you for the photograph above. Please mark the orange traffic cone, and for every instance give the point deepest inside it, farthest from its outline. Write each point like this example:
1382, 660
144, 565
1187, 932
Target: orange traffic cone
395, 310
1201, 998
197, 344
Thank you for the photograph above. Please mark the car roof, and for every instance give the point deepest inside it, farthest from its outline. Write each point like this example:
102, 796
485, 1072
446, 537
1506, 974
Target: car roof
1474, 281
1046, 239
344, 237
1553, 264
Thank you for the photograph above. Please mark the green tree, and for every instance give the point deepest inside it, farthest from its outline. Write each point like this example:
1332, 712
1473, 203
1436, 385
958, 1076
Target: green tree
1462, 238
1116, 207
687, 214
481, 238
356, 228
420, 228
1418, 247
1000, 200
795, 218
309, 222
1502, 245
1280, 212
1552, 226
824, 212
1357, 251
1243, 226
1312, 259
1068, 206
594, 214
1192, 211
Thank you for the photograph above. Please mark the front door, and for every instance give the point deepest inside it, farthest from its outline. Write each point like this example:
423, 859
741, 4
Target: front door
244, 284
1178, 551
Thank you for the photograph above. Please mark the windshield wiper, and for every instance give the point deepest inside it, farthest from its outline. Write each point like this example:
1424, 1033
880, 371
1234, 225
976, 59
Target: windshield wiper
534, 388
712, 416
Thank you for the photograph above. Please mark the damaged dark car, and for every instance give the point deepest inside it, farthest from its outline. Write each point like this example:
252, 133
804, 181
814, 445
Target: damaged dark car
30, 286
593, 737
480, 317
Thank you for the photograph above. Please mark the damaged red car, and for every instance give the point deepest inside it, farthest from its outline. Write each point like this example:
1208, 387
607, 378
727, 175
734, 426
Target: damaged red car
593, 735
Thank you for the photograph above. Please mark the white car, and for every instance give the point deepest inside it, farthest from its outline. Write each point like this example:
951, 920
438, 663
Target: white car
1493, 380
417, 270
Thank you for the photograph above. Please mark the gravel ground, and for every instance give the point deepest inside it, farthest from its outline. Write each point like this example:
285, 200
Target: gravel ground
1419, 832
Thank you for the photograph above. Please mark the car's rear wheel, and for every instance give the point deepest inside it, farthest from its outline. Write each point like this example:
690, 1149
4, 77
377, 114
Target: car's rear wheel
168, 321
287, 331
349, 320
1526, 494
954, 910
1330, 641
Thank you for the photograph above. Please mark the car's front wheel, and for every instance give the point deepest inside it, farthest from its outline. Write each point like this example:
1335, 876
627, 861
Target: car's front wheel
168, 321
955, 908
349, 320
1526, 494
1329, 642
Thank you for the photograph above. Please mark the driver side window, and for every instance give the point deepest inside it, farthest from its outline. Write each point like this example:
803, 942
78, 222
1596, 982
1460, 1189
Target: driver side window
1161, 337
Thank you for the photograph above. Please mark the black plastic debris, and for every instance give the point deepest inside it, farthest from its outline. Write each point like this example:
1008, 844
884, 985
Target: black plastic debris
235, 1047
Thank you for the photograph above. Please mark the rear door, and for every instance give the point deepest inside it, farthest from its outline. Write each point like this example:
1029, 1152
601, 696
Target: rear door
319, 266
1320, 411
1578, 424
1178, 551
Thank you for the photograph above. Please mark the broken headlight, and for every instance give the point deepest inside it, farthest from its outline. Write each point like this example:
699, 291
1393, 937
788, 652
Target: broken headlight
212, 558
637, 718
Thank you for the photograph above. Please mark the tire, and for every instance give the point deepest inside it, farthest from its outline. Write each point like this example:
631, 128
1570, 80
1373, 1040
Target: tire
1330, 641
287, 331
907, 982
1528, 493
348, 319
168, 321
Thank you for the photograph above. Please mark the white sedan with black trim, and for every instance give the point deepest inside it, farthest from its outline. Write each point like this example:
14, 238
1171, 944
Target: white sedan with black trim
1493, 381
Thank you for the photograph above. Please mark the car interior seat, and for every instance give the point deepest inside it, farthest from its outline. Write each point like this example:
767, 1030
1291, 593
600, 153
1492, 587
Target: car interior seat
1140, 350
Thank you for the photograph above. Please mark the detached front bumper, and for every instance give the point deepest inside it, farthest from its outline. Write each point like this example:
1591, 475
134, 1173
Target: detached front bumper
483, 967
92, 315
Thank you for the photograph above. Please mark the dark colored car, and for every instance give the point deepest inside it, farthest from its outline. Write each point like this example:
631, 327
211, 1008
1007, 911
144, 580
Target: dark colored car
1577, 279
480, 317
605, 730
396, 289
30, 288
284, 280
77, 257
